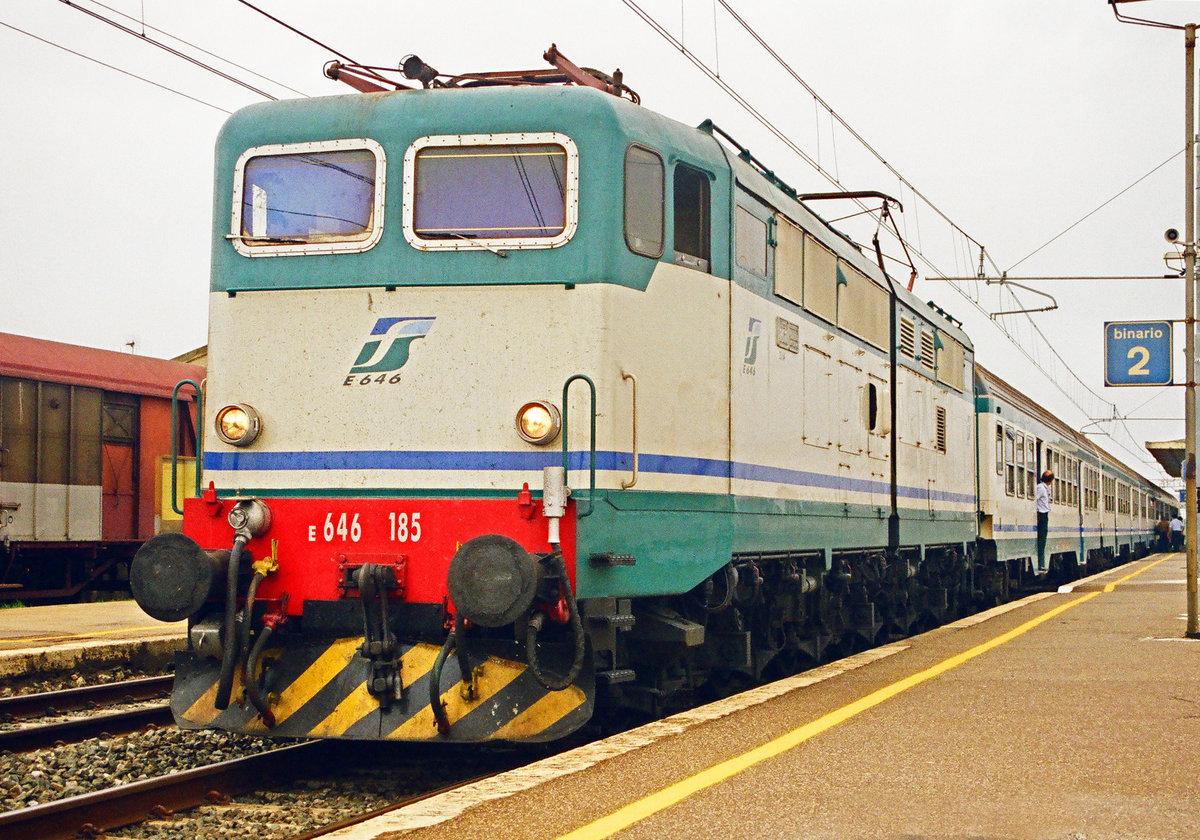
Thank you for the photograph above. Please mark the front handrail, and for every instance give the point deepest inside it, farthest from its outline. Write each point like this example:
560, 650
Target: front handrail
175, 440
627, 484
566, 451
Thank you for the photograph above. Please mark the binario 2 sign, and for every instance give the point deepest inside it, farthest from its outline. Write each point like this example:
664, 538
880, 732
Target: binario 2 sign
1138, 353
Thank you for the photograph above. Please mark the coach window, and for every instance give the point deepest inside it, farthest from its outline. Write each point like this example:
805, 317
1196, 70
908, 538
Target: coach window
1011, 475
645, 186
999, 449
1049, 465
691, 218
491, 191
1021, 466
308, 198
1058, 480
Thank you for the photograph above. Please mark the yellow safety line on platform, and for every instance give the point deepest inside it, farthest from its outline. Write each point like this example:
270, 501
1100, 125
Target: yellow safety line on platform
1111, 586
162, 631
673, 794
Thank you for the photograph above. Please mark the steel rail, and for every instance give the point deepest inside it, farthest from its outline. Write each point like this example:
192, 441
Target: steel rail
86, 697
29, 738
91, 814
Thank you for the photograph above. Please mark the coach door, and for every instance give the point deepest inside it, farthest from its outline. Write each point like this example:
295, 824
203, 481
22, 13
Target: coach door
118, 425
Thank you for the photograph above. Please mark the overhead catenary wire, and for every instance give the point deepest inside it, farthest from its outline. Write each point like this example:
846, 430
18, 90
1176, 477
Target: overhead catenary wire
160, 45
117, 69
142, 22
835, 117
1087, 216
365, 69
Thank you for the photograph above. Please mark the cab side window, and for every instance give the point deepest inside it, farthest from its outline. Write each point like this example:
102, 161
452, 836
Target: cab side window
691, 206
644, 187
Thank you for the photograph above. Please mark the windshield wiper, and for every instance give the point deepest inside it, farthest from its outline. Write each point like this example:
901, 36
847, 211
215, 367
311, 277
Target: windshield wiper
483, 245
266, 240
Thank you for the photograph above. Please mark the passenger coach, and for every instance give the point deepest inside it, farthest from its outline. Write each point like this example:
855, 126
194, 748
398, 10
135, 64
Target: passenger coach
1101, 510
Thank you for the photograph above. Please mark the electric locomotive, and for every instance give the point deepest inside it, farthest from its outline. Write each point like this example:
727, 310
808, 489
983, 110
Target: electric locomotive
528, 400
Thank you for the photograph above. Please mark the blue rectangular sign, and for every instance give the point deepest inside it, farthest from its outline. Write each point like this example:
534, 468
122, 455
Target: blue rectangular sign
1138, 353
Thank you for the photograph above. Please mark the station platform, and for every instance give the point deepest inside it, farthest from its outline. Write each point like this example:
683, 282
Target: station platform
61, 637
1064, 716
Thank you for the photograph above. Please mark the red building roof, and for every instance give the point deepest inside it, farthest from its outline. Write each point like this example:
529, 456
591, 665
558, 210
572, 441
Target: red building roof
52, 361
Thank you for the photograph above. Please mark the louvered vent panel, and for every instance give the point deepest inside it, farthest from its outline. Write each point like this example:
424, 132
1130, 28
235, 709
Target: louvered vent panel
908, 338
927, 349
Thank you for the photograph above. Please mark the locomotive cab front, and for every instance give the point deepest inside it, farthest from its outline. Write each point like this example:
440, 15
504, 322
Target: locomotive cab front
416, 298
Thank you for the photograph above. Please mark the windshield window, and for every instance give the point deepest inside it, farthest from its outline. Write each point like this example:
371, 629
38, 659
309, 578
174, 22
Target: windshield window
484, 191
308, 197
491, 192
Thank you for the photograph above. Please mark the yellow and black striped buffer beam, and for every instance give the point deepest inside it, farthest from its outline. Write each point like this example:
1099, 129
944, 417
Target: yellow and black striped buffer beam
318, 689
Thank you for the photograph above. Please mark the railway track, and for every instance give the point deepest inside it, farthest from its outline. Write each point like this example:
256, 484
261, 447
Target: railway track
91, 814
44, 736
87, 697
52, 703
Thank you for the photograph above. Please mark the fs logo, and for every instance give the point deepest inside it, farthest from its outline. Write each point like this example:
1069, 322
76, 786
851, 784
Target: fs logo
387, 349
753, 333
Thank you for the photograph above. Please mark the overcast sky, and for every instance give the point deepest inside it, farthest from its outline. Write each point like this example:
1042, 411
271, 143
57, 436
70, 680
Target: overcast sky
1015, 118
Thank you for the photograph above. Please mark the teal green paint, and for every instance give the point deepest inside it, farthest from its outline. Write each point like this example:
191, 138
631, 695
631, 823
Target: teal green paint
601, 126
680, 539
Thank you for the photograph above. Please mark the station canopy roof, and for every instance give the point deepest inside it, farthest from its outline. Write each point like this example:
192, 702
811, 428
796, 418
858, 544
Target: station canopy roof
52, 361
1168, 453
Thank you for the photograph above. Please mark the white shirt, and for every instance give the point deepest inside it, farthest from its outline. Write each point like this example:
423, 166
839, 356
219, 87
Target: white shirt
1042, 497
1176, 524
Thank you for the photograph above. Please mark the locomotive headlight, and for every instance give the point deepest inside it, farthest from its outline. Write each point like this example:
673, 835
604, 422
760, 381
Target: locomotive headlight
538, 422
238, 425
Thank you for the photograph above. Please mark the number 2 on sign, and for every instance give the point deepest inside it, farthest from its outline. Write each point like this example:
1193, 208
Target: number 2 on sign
1143, 355
405, 528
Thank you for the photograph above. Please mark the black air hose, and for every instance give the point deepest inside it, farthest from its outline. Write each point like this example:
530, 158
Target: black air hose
435, 686
535, 626
252, 690
250, 665
460, 650
229, 637
248, 610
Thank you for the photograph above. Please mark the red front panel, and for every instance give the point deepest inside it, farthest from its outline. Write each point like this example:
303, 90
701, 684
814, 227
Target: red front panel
316, 535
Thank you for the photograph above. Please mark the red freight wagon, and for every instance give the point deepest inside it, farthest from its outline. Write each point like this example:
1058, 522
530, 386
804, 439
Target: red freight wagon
82, 432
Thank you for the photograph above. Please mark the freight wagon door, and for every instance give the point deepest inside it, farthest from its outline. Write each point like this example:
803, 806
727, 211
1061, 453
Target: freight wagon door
119, 429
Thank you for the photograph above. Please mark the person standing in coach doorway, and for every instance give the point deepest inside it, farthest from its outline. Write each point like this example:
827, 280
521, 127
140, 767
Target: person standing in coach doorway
1041, 500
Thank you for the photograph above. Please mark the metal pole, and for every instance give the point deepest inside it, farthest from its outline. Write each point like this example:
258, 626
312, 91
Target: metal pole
1189, 263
